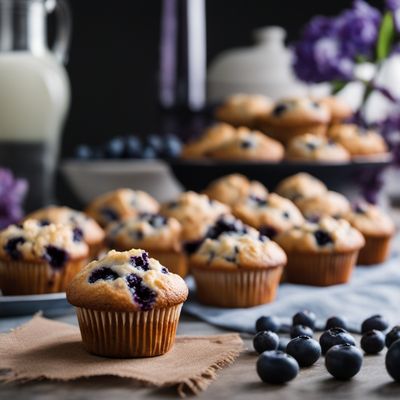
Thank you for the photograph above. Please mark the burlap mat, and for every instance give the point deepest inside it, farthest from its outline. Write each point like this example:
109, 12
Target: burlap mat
46, 349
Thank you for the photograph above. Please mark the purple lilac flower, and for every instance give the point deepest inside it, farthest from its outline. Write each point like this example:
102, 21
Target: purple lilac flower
329, 47
394, 7
12, 194
359, 29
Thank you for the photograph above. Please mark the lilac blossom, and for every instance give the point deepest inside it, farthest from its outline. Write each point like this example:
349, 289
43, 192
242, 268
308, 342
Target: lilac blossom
330, 47
12, 194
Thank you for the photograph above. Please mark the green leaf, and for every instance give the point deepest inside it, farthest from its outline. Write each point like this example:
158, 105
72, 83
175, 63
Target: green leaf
385, 37
337, 86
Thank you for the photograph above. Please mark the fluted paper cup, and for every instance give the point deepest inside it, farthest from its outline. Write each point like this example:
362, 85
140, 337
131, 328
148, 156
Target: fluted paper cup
236, 288
26, 278
129, 334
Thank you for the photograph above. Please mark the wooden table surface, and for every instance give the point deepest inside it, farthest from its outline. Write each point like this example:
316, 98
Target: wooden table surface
238, 381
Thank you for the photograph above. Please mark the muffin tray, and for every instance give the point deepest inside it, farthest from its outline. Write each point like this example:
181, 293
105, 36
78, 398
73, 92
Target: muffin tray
53, 304
342, 177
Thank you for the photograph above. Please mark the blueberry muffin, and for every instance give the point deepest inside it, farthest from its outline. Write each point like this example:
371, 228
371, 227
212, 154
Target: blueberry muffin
358, 141
313, 148
234, 188
301, 186
293, 117
321, 253
330, 203
377, 228
244, 109
250, 146
158, 235
92, 234
237, 270
119, 204
212, 138
339, 110
128, 305
37, 258
195, 212
271, 214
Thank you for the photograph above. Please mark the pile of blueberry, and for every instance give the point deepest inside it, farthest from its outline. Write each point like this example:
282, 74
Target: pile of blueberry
280, 359
132, 147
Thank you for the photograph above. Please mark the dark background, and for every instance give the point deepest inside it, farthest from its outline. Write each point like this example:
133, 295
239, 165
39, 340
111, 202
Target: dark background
114, 56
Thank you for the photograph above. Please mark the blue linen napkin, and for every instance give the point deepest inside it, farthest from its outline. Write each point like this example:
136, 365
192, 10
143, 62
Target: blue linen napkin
372, 290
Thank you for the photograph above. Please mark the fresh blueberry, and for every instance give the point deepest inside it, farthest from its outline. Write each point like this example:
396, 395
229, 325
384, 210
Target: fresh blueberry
246, 144
83, 152
376, 322
305, 350
148, 153
305, 317
311, 145
335, 322
154, 220
115, 148
11, 247
279, 110
260, 202
268, 231
373, 342
268, 323
392, 361
103, 273
265, 341
276, 367
343, 361
226, 225
283, 342
77, 234
56, 257
142, 294
172, 146
392, 336
109, 214
333, 337
140, 262
301, 330
133, 147
155, 142
323, 238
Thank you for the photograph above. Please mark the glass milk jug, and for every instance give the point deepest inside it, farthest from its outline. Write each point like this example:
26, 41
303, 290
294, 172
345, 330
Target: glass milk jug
34, 92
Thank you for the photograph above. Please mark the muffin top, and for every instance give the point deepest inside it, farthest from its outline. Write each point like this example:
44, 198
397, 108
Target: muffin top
88, 227
300, 186
358, 141
126, 281
242, 109
226, 223
325, 236
339, 110
34, 242
249, 145
370, 220
329, 203
119, 204
212, 138
298, 111
311, 147
234, 188
233, 251
195, 212
148, 231
270, 214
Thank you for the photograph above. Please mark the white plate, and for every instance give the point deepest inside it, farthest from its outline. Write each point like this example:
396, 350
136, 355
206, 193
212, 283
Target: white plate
52, 304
